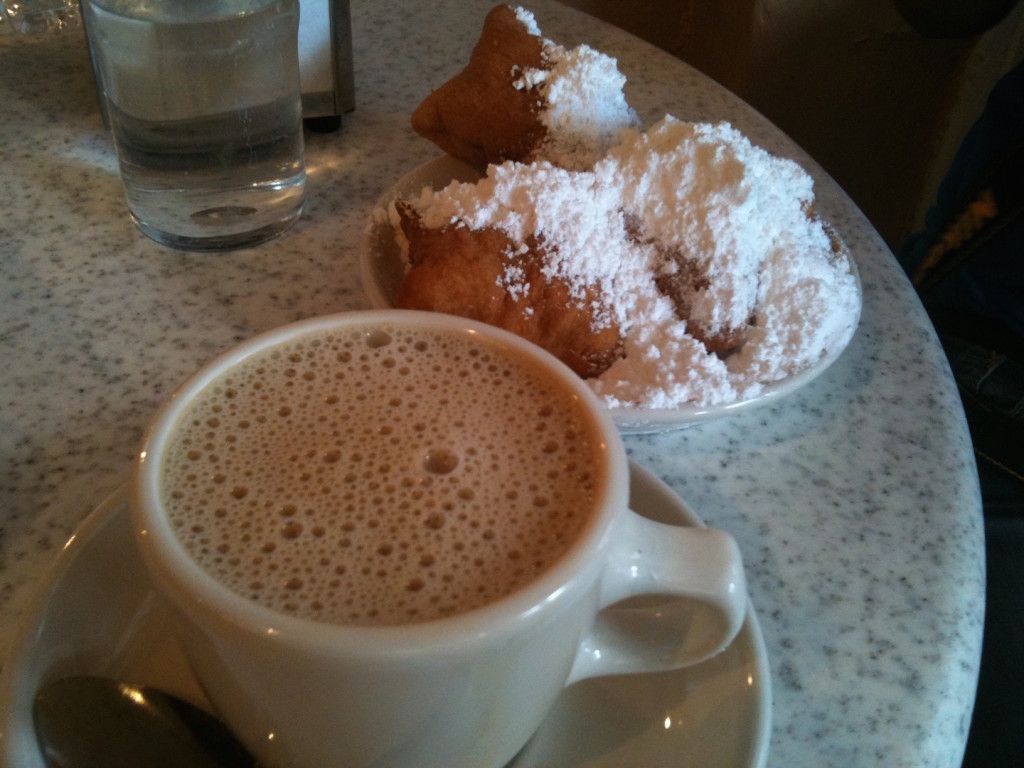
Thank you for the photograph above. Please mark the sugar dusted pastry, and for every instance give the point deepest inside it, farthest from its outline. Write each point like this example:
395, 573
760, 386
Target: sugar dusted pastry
713, 205
755, 280
523, 97
686, 254
504, 278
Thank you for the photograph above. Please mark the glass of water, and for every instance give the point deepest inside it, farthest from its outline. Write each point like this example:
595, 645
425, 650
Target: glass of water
204, 104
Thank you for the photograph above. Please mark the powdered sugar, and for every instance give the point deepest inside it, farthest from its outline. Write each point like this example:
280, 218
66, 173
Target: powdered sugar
528, 20
679, 198
583, 106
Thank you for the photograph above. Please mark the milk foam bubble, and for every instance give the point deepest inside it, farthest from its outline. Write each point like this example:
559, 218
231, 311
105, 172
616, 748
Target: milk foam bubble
381, 475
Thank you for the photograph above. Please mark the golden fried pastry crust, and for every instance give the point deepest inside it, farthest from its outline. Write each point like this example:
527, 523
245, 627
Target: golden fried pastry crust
463, 272
479, 115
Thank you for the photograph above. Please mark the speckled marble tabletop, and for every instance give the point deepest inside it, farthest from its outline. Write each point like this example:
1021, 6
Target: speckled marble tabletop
854, 500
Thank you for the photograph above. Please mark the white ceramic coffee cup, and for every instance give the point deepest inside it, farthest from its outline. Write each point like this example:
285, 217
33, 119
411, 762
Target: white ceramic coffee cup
462, 691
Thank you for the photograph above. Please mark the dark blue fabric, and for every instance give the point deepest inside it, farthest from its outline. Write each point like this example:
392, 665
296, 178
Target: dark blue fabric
975, 291
989, 284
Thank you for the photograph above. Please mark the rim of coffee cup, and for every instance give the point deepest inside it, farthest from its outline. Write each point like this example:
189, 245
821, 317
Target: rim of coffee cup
193, 589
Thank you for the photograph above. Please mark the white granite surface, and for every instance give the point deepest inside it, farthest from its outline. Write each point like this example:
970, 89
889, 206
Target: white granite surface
855, 500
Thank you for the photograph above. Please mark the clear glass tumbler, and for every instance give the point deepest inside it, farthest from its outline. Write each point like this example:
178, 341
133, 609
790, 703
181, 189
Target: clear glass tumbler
204, 104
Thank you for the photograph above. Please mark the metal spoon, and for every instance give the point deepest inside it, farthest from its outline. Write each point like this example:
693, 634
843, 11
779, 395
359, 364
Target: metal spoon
93, 721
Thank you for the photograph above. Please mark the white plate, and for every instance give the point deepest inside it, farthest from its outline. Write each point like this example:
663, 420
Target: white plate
382, 269
96, 613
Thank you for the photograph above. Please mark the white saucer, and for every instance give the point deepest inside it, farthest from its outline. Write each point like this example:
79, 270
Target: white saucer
95, 613
382, 269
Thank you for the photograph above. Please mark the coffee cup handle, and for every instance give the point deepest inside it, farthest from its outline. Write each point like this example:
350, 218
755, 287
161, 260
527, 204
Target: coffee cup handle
670, 597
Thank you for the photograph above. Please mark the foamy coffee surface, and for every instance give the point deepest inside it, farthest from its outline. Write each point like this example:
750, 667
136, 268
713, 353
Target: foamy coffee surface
380, 475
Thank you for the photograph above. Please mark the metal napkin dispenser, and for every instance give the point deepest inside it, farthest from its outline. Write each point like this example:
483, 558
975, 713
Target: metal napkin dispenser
325, 58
